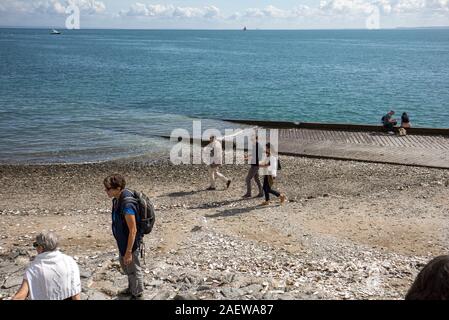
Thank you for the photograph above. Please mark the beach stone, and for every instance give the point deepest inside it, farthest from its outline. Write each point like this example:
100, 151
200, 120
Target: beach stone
251, 289
162, 295
185, 296
10, 269
231, 292
83, 296
155, 283
286, 296
84, 274
97, 295
12, 282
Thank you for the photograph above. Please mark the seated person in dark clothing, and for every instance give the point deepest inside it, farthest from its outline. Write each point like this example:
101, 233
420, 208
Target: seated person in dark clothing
405, 121
388, 122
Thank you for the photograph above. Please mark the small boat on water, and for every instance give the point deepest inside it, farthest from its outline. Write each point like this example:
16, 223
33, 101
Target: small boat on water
244, 28
54, 31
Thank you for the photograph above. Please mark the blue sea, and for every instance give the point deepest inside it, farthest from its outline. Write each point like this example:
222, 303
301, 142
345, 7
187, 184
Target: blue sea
94, 95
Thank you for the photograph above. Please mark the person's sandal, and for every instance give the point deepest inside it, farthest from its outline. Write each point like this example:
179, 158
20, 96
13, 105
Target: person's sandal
282, 198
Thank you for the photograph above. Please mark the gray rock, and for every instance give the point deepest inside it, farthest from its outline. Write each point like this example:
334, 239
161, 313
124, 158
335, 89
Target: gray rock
155, 283
231, 292
286, 296
254, 288
10, 269
162, 295
83, 296
185, 296
85, 274
12, 282
203, 287
97, 295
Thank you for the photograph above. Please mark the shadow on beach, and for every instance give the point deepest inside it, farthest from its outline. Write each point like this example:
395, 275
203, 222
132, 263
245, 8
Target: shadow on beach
183, 193
214, 204
233, 212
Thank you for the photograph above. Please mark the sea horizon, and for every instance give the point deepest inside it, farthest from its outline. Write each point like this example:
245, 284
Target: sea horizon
63, 27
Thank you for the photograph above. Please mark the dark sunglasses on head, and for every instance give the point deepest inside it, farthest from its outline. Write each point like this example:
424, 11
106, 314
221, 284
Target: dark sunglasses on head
35, 244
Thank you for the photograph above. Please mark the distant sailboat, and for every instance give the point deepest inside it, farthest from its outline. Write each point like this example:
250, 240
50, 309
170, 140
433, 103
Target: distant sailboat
54, 31
244, 28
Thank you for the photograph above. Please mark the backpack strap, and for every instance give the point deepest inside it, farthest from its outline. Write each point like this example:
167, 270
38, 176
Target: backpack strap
122, 201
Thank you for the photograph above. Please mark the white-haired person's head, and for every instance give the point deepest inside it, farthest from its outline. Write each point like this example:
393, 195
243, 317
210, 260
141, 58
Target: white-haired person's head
46, 241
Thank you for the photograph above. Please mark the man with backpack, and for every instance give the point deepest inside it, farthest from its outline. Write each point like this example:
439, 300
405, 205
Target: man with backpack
128, 228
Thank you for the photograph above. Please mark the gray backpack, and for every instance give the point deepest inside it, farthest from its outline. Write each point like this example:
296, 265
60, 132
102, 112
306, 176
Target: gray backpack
145, 211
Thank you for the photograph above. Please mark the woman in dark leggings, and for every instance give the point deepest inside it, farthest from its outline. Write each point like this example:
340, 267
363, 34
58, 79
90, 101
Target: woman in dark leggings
268, 170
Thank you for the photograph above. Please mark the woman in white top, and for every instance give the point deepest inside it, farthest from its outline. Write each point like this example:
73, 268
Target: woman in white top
268, 169
52, 275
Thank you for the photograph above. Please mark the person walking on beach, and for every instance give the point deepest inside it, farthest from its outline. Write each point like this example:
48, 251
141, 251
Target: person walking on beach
268, 170
124, 229
405, 121
52, 275
253, 173
388, 122
214, 154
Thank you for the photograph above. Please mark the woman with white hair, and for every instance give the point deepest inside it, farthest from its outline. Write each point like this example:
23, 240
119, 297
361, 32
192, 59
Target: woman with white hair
52, 275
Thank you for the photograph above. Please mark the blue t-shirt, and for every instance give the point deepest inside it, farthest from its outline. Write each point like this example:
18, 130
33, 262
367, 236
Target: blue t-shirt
119, 227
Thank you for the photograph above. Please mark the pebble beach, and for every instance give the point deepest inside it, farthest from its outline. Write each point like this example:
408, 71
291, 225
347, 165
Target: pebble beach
349, 230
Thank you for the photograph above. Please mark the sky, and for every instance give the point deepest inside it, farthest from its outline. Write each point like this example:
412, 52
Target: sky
225, 14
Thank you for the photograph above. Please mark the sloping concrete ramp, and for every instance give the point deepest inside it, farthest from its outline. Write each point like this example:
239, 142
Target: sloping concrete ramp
426, 147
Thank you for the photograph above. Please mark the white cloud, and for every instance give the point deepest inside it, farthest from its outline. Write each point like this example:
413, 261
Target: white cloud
50, 7
407, 6
272, 12
141, 9
357, 7
90, 6
169, 11
346, 6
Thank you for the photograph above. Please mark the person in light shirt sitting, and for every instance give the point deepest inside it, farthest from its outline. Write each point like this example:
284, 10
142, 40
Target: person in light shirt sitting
52, 275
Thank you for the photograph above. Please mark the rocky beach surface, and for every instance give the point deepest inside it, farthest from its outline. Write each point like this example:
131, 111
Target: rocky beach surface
350, 230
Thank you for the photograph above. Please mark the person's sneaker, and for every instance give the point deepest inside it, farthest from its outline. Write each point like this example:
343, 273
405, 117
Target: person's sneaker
211, 188
228, 184
246, 196
265, 203
138, 297
391, 132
